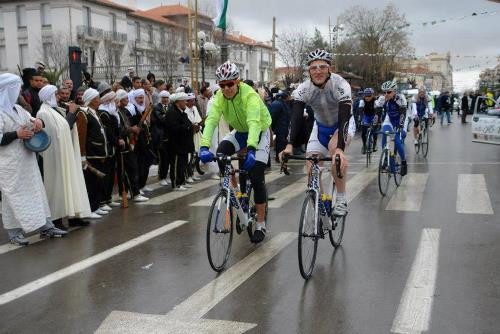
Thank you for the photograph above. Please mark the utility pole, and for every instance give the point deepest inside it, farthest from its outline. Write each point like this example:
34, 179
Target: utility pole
330, 32
274, 48
190, 42
196, 49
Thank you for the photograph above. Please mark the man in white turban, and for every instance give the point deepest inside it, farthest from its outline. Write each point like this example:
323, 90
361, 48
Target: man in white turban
143, 150
159, 135
93, 150
196, 120
24, 201
63, 175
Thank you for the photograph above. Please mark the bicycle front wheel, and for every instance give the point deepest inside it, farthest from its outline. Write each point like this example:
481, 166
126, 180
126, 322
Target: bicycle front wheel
425, 142
397, 170
384, 175
219, 232
308, 237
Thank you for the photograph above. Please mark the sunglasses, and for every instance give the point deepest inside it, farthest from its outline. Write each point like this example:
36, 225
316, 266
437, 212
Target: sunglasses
390, 92
321, 67
228, 85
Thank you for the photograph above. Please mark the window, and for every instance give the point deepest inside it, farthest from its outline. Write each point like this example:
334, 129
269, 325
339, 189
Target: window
87, 17
246, 76
45, 14
137, 31
46, 52
3, 58
112, 22
21, 16
23, 55
150, 33
1, 19
241, 55
162, 36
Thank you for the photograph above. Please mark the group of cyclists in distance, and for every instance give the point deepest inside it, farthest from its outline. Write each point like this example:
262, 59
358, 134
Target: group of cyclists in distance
329, 95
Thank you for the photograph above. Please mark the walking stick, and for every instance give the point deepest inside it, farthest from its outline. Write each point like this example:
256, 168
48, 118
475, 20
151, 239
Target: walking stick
124, 189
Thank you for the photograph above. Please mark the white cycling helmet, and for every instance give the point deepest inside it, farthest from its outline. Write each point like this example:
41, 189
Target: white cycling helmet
389, 85
319, 54
227, 71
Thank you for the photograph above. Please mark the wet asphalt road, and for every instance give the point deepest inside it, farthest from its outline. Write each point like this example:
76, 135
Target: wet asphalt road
356, 289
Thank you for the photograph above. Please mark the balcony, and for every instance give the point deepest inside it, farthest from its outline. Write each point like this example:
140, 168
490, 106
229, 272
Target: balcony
264, 64
116, 37
90, 33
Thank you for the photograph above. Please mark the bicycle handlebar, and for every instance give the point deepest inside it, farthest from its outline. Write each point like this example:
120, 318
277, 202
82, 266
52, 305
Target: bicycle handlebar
315, 159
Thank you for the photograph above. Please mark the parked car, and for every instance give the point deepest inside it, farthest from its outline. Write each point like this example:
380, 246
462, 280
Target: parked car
486, 121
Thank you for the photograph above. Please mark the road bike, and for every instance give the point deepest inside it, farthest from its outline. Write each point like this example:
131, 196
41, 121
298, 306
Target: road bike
317, 216
230, 208
390, 163
422, 144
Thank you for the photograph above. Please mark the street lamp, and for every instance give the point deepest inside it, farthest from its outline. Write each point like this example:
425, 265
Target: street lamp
204, 48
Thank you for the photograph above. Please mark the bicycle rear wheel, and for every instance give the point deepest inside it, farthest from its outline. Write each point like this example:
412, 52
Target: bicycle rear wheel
337, 231
397, 169
384, 175
253, 212
308, 239
425, 143
369, 147
219, 232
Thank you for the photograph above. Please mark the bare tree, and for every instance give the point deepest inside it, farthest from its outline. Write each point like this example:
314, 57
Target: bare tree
107, 56
55, 55
380, 35
166, 52
292, 51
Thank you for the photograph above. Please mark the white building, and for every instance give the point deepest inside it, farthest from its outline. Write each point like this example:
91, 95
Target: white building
114, 37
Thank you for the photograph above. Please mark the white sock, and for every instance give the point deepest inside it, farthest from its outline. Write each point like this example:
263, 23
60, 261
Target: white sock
261, 225
341, 197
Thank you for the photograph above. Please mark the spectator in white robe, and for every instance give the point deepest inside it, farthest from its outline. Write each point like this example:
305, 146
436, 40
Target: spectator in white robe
25, 207
63, 174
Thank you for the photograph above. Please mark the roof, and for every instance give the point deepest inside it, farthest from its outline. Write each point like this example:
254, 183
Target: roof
109, 3
155, 18
416, 70
242, 39
174, 10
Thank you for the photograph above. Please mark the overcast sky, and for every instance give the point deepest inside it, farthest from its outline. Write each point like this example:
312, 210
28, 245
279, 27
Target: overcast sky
479, 35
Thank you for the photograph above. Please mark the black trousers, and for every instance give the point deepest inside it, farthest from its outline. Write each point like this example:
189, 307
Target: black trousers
144, 161
131, 177
464, 115
280, 144
110, 179
364, 133
163, 161
95, 185
190, 165
178, 165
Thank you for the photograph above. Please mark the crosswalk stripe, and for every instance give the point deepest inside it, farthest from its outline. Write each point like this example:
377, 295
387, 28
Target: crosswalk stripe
414, 311
84, 264
409, 195
472, 195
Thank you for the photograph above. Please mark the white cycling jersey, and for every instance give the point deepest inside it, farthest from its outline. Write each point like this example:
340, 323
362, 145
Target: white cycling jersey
428, 109
324, 101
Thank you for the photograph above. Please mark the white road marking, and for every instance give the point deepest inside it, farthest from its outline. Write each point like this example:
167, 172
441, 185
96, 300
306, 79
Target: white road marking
359, 182
84, 264
186, 317
287, 193
472, 195
410, 194
207, 201
414, 311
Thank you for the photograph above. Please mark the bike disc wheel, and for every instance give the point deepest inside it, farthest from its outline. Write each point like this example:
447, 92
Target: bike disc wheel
384, 175
308, 239
425, 143
219, 232
337, 231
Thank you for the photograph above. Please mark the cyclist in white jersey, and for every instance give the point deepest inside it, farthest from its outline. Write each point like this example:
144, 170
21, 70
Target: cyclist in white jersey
329, 95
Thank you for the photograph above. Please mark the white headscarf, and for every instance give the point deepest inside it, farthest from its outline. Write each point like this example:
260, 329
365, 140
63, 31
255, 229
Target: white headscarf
135, 94
110, 107
89, 95
180, 90
48, 95
10, 87
164, 93
121, 94
178, 97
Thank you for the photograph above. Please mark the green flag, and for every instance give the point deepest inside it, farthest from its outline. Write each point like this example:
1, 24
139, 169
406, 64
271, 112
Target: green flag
220, 19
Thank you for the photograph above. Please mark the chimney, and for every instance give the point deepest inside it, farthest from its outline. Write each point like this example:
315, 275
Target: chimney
132, 4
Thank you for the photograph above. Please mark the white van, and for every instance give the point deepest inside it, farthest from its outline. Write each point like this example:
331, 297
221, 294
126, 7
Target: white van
486, 121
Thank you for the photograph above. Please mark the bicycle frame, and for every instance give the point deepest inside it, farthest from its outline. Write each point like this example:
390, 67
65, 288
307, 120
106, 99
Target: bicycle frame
233, 199
314, 185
